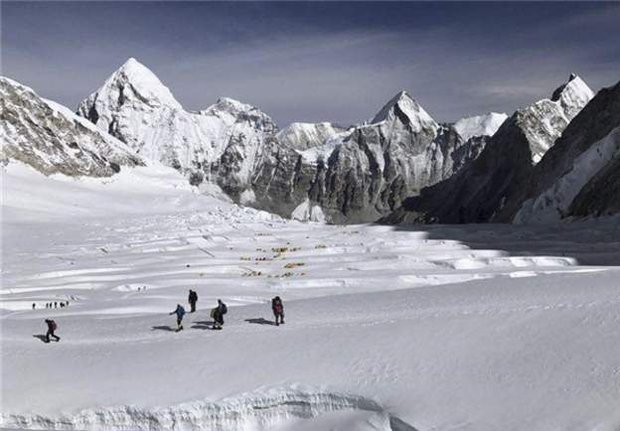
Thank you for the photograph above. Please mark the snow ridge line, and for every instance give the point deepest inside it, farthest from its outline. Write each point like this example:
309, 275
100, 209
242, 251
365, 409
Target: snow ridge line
260, 410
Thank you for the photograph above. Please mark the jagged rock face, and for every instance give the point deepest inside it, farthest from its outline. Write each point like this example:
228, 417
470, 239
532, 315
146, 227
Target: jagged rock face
544, 121
564, 183
281, 179
363, 173
480, 191
368, 171
52, 139
219, 144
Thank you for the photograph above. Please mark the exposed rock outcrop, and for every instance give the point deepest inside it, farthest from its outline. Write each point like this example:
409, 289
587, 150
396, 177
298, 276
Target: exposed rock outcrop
52, 139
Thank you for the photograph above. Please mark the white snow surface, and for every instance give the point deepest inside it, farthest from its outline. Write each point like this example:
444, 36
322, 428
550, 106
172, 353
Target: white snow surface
302, 136
386, 328
553, 204
480, 125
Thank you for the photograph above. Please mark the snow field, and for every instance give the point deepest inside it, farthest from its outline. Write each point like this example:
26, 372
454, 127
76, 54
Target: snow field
469, 327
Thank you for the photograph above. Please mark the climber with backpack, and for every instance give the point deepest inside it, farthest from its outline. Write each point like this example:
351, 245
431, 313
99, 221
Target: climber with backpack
278, 310
51, 327
180, 312
218, 314
192, 299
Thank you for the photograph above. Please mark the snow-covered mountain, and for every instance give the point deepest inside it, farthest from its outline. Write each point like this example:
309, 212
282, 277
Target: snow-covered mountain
579, 176
473, 170
302, 136
480, 191
218, 144
357, 174
554, 203
52, 139
366, 171
544, 121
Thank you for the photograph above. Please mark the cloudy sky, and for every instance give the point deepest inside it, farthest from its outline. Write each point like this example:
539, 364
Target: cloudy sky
317, 61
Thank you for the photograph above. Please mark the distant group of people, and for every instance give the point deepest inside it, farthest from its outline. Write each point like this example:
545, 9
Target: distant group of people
55, 304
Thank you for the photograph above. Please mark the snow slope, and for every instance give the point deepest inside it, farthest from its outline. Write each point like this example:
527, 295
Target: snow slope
552, 205
387, 328
480, 125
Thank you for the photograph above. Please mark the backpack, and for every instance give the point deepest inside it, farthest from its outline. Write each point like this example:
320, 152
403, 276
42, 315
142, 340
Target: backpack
277, 307
52, 325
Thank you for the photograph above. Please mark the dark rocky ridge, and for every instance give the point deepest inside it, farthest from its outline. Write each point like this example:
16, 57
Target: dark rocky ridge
488, 189
595, 121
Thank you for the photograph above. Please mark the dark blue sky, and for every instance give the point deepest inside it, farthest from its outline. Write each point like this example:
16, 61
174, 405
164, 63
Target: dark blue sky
318, 61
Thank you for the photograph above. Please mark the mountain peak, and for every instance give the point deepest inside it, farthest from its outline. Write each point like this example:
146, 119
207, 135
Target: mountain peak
134, 68
134, 77
407, 110
574, 87
234, 104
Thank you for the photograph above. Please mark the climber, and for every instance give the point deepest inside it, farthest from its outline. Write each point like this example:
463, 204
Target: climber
218, 314
180, 312
192, 299
278, 310
51, 327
